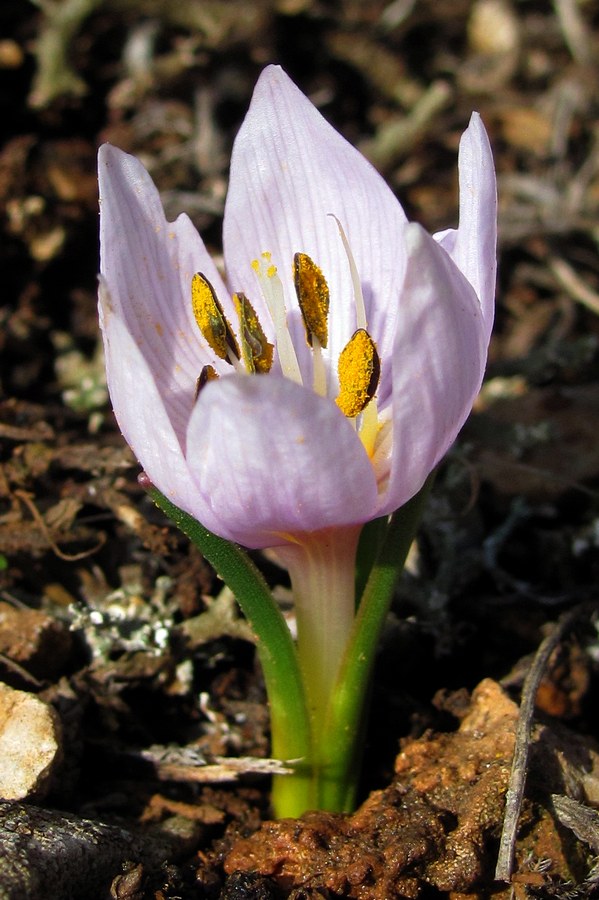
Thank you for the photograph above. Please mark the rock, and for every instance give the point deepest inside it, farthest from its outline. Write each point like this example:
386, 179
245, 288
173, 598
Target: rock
30, 744
46, 854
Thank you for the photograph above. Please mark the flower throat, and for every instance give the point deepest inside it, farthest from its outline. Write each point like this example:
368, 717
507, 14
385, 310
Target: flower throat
358, 364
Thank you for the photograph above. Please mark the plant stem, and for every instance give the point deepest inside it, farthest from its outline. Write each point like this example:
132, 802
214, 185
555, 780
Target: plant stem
321, 566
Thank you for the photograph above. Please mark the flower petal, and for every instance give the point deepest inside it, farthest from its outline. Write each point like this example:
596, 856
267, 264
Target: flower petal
290, 172
473, 247
438, 365
138, 406
272, 458
148, 264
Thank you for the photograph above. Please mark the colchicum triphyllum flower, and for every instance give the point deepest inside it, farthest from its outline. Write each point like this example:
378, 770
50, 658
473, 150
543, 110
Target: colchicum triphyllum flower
316, 387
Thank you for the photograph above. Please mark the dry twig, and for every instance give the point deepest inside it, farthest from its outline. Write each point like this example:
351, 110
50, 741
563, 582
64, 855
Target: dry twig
515, 791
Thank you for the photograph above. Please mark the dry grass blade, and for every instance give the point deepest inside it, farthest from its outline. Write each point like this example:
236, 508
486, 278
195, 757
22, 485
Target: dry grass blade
515, 791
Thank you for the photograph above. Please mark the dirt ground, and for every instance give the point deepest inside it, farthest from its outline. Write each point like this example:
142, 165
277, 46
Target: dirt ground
133, 727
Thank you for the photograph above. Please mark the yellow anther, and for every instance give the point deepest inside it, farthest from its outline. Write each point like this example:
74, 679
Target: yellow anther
211, 319
257, 351
313, 297
359, 372
207, 374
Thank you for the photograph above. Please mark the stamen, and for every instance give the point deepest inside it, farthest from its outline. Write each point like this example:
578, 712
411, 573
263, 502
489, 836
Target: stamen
207, 374
313, 297
359, 372
319, 373
211, 319
257, 351
355, 278
272, 290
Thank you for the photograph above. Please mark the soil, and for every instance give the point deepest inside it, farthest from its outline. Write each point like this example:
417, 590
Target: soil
134, 746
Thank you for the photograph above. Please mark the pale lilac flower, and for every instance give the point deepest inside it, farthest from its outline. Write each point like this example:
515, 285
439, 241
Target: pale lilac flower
260, 458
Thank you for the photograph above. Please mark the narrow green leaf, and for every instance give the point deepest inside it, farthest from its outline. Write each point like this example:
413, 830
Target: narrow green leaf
347, 711
371, 538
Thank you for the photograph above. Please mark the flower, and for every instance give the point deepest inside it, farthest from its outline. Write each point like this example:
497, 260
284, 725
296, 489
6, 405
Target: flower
325, 390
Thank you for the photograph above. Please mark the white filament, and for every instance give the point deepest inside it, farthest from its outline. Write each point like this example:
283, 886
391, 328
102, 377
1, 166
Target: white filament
272, 291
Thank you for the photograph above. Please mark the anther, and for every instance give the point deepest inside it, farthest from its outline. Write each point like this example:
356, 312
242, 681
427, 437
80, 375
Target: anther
211, 319
313, 297
359, 371
207, 374
257, 351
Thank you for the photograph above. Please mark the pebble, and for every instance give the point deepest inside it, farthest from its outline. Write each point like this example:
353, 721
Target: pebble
30, 744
